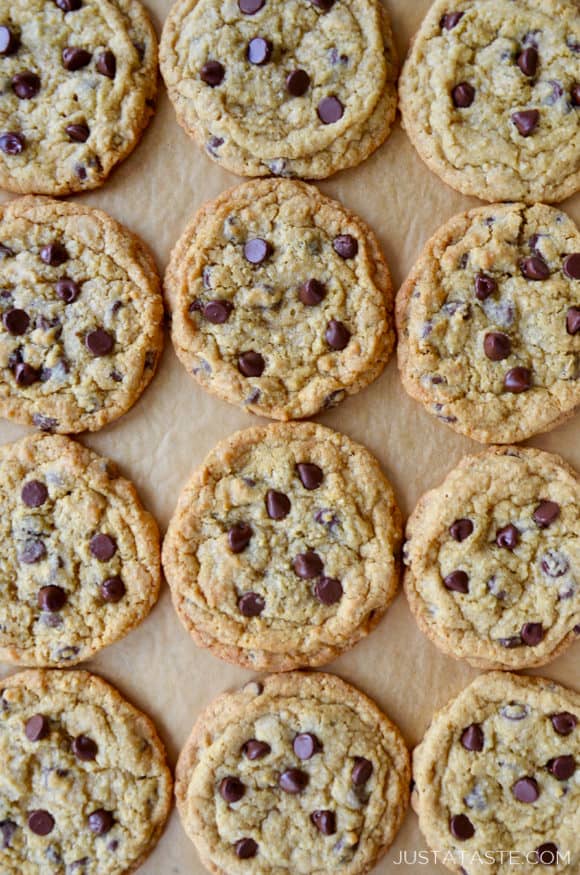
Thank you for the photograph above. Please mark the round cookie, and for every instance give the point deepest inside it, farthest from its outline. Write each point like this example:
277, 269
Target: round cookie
493, 559
490, 97
497, 784
79, 556
85, 783
489, 322
297, 773
79, 85
283, 549
281, 299
81, 316
271, 89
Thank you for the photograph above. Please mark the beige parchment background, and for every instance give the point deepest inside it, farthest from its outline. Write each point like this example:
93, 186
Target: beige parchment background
174, 425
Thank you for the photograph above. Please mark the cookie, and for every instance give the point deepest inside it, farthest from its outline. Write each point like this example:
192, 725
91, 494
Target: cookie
85, 784
79, 83
79, 554
297, 773
281, 300
497, 784
490, 97
489, 322
493, 559
283, 549
271, 89
81, 316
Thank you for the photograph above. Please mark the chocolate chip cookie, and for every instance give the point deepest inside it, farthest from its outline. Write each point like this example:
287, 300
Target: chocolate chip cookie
79, 554
269, 88
79, 79
489, 322
85, 785
493, 559
81, 315
297, 773
490, 97
496, 775
281, 299
282, 551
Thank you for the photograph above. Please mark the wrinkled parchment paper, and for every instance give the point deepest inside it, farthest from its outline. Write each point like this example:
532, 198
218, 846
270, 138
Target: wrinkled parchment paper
174, 425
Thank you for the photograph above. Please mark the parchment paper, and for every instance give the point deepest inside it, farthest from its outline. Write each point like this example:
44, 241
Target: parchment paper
174, 425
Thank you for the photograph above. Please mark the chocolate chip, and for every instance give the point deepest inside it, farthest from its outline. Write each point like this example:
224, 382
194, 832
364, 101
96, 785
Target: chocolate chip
79, 133
99, 342
246, 848
518, 380
546, 513
37, 728
461, 529
328, 590
345, 245
9, 41
312, 292
461, 827
101, 821
16, 321
251, 364
547, 854
250, 7
463, 95
497, 346
308, 565
107, 64
532, 634
573, 320
337, 335
526, 121
34, 493
324, 821
510, 644
277, 504
564, 723
239, 537
69, 5
457, 581
40, 822
25, 374
112, 590
526, 790
51, 599
84, 748
231, 789
54, 254
26, 85
572, 266
74, 58
575, 95
103, 547
311, 475
528, 61
306, 745
555, 564
361, 771
451, 20
7, 830
212, 73
256, 750
67, 290
251, 604
12, 143
324, 5
293, 781
562, 767
472, 738
330, 110
5, 252
484, 286
33, 551
257, 250
259, 51
508, 537
218, 311
297, 83
534, 268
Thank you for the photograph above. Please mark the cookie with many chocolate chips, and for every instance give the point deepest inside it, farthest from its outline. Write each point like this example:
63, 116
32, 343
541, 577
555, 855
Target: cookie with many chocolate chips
79, 82
81, 316
497, 778
490, 97
269, 88
79, 554
282, 551
85, 784
493, 559
489, 322
298, 773
281, 299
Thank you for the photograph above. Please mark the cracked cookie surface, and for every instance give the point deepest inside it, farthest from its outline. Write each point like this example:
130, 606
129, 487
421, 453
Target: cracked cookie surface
85, 787
281, 299
489, 322
80, 555
497, 771
490, 97
269, 88
81, 316
79, 84
297, 773
493, 559
282, 551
